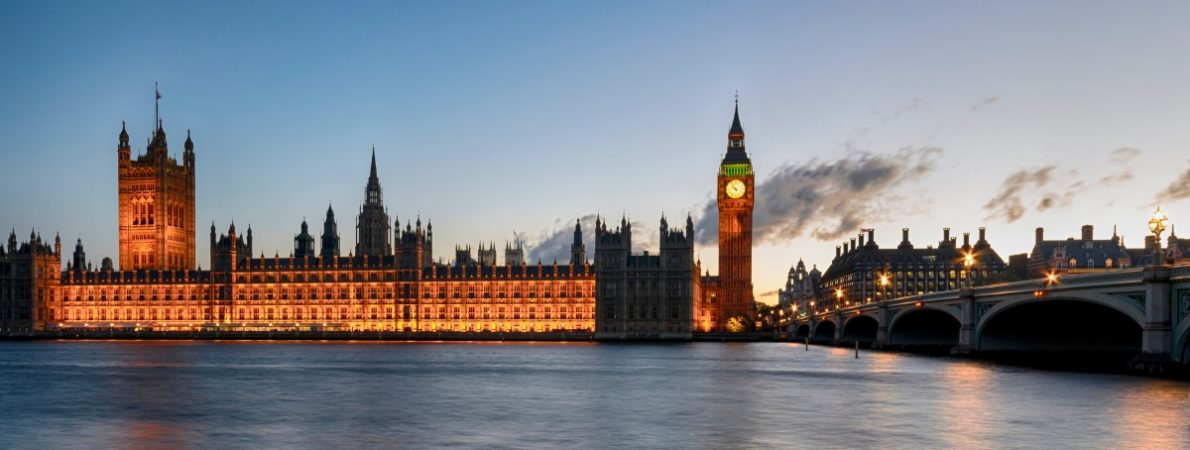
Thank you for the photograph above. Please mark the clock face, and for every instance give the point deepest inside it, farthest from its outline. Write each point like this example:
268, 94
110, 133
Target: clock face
735, 189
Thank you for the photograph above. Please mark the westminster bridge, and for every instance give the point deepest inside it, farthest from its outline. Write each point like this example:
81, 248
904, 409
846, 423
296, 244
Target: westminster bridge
1143, 313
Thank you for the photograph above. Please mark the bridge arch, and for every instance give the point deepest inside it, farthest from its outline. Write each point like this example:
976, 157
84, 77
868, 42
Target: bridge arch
860, 327
801, 331
824, 331
1181, 341
1131, 310
931, 329
1093, 331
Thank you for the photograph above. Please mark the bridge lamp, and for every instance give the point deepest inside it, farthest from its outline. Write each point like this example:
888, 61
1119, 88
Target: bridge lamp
1158, 223
1051, 278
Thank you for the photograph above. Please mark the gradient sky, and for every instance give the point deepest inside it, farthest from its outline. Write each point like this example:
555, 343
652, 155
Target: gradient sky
495, 117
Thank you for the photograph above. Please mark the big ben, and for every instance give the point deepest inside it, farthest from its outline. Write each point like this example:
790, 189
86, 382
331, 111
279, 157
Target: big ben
736, 197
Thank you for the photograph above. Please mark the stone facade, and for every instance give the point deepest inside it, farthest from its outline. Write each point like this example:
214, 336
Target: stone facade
862, 272
644, 296
156, 198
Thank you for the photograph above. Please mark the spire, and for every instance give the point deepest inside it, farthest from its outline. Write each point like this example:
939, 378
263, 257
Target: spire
736, 128
157, 105
735, 139
373, 173
123, 132
189, 144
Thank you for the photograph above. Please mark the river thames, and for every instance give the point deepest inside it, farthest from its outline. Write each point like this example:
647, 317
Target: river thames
561, 395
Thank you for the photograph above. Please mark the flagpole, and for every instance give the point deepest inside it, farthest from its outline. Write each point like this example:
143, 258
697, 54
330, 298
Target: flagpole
156, 106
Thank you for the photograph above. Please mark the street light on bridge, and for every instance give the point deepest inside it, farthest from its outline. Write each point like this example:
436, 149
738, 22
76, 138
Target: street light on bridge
968, 263
1157, 225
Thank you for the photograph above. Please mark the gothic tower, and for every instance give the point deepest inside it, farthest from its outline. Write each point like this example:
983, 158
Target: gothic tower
156, 199
330, 235
372, 228
578, 253
735, 199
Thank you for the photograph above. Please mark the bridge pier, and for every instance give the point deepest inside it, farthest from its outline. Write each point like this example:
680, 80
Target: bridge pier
1157, 332
967, 345
838, 329
881, 327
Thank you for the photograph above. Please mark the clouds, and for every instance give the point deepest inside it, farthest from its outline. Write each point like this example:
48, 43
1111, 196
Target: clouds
1177, 190
554, 244
1046, 187
828, 199
983, 104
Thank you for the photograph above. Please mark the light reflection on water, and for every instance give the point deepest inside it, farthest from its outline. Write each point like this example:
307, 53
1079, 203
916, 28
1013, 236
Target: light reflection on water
582, 395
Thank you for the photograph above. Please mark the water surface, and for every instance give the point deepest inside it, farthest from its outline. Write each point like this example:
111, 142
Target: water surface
575, 395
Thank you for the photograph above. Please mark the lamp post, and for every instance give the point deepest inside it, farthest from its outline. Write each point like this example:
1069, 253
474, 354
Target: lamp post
838, 298
1157, 225
968, 263
884, 286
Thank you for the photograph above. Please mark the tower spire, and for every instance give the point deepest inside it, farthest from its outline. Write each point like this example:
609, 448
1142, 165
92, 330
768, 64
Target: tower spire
156, 106
373, 174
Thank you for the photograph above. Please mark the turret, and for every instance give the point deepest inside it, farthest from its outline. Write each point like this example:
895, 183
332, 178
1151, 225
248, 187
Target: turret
188, 154
80, 257
330, 235
124, 150
578, 254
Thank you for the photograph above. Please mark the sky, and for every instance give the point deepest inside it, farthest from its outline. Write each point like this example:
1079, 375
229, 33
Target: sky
500, 118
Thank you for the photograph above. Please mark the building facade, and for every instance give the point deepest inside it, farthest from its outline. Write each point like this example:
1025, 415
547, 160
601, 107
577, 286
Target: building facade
862, 272
29, 274
156, 198
1083, 255
390, 283
802, 289
643, 296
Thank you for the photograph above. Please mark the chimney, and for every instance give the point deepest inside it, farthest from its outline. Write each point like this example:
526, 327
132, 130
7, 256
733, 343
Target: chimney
946, 234
872, 236
1088, 232
904, 235
966, 239
861, 239
853, 243
1039, 235
1150, 242
983, 234
838, 251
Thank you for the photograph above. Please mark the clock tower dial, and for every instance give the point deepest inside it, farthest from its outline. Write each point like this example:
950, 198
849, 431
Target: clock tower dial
735, 203
735, 189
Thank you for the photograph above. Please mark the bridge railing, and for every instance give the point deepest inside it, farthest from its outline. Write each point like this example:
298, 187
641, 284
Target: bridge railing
1065, 282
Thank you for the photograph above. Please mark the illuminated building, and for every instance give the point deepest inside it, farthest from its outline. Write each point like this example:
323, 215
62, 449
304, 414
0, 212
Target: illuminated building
389, 284
156, 197
801, 288
864, 272
730, 294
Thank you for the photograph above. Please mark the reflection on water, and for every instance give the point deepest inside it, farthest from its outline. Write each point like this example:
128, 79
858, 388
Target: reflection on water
703, 395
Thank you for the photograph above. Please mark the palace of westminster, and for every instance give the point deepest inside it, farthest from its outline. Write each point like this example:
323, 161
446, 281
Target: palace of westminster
388, 282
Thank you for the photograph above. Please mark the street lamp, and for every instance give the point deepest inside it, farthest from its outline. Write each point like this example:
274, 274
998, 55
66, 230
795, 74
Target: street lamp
1157, 225
838, 296
968, 262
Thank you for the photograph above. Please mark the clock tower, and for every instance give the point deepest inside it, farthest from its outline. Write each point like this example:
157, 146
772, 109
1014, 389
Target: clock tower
736, 197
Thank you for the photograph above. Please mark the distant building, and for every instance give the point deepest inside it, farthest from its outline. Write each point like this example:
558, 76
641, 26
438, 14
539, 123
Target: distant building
864, 272
801, 288
28, 273
1083, 255
644, 296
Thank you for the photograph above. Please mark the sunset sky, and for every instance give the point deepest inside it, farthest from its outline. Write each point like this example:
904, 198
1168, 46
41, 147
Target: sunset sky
498, 117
